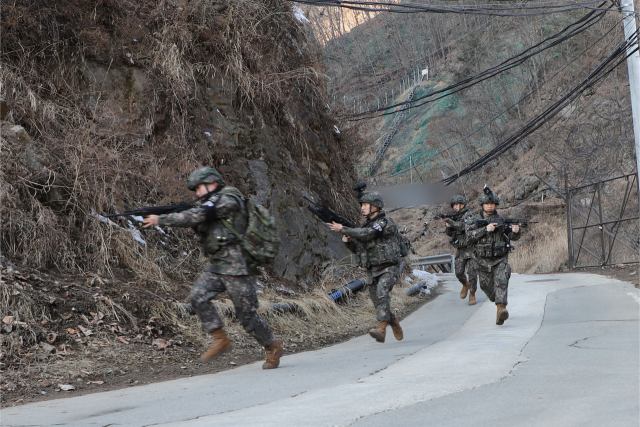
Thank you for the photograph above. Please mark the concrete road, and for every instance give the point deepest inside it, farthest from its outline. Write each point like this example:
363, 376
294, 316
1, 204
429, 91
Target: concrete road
567, 356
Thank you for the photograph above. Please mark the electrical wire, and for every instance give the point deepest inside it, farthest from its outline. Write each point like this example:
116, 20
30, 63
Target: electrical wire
371, 6
521, 100
616, 58
563, 35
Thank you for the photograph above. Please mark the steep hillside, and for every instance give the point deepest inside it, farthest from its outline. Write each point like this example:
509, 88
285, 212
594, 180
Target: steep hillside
115, 103
379, 62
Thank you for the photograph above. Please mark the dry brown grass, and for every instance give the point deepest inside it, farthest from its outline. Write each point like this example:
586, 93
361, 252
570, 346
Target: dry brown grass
125, 125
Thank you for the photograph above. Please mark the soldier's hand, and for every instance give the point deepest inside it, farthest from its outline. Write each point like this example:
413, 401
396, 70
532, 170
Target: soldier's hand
346, 239
446, 222
491, 227
334, 226
150, 221
515, 228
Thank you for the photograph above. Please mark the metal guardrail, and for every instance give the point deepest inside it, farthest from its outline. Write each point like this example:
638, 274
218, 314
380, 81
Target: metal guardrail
440, 263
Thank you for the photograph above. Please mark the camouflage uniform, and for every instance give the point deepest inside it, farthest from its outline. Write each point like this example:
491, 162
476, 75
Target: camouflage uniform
491, 256
464, 251
376, 247
228, 269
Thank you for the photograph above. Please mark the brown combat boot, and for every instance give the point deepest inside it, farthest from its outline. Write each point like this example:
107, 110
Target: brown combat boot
465, 289
396, 328
379, 331
502, 314
273, 352
472, 298
221, 344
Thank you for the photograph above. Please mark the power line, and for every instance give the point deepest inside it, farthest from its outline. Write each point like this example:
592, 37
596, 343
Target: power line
522, 99
563, 35
618, 56
371, 6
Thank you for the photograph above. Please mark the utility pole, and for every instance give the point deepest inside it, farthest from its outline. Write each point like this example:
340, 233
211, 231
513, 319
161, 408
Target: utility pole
633, 65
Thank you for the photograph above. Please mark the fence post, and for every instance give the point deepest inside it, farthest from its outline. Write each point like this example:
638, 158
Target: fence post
569, 220
603, 256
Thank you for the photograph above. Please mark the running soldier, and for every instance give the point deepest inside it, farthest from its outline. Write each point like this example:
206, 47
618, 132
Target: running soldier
492, 246
214, 221
464, 252
377, 249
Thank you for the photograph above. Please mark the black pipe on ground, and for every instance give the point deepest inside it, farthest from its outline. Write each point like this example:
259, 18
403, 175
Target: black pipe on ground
415, 288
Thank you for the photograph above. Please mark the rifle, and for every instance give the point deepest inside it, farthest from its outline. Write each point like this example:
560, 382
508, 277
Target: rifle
452, 216
162, 210
327, 215
505, 222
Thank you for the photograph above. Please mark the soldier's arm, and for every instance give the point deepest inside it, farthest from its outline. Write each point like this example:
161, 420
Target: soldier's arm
189, 218
473, 232
514, 236
456, 225
364, 234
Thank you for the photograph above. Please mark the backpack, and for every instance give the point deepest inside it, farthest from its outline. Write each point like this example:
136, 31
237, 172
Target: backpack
260, 241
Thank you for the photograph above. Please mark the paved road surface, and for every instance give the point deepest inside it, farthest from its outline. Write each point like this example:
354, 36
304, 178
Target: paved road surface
567, 356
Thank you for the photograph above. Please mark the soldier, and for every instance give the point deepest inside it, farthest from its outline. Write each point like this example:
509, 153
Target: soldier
492, 245
464, 251
377, 249
228, 270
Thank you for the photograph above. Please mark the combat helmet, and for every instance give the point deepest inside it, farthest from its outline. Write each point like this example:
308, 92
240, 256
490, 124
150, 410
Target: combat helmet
204, 175
488, 196
458, 199
374, 199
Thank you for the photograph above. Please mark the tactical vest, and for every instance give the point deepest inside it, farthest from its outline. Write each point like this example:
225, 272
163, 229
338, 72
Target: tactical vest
493, 245
383, 249
213, 235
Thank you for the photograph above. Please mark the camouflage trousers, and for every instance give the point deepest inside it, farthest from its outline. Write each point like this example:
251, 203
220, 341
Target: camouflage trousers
380, 284
468, 264
494, 281
242, 291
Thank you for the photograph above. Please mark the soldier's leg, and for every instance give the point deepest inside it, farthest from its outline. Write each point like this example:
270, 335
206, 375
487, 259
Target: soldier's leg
486, 283
242, 291
206, 287
461, 264
501, 275
384, 284
379, 291
472, 271
473, 280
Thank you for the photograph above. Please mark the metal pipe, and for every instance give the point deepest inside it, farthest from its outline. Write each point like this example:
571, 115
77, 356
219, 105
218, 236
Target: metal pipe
415, 288
348, 289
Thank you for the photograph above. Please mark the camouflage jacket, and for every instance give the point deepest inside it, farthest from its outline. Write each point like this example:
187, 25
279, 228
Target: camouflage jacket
457, 232
219, 244
490, 247
375, 243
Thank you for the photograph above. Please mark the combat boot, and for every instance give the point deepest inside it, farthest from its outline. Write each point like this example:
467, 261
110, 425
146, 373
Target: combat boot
396, 328
221, 344
273, 352
379, 331
502, 314
472, 298
465, 289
